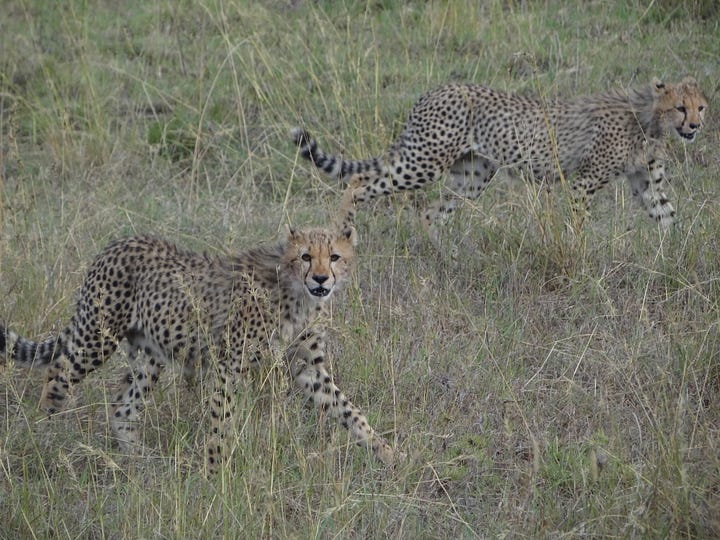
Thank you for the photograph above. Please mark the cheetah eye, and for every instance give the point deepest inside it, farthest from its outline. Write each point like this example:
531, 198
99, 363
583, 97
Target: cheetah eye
306, 257
701, 108
334, 257
681, 108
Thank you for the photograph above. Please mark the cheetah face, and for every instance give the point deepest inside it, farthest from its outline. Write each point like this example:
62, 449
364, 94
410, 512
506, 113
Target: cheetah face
321, 260
682, 108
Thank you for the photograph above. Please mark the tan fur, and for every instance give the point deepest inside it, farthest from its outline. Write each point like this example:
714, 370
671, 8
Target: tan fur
226, 313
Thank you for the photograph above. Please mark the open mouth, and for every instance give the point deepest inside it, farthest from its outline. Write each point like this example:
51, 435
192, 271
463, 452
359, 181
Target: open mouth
686, 136
320, 292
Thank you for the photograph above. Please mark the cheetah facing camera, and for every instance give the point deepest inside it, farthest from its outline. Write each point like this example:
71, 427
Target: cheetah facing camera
471, 131
223, 312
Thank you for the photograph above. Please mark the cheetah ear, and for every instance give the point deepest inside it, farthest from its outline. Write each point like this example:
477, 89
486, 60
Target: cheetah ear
657, 84
291, 232
349, 233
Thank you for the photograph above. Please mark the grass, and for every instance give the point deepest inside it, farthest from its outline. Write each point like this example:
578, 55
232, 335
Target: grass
543, 384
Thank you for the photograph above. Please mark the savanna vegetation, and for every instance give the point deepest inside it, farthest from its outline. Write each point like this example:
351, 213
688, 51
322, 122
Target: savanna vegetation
543, 382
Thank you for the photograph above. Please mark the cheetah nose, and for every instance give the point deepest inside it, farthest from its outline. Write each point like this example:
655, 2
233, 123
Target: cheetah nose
320, 279
693, 126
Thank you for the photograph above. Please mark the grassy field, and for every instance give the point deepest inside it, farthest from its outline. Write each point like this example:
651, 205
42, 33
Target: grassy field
542, 384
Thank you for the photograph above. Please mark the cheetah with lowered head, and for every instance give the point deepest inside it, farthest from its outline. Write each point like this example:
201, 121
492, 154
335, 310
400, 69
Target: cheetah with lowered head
225, 313
471, 131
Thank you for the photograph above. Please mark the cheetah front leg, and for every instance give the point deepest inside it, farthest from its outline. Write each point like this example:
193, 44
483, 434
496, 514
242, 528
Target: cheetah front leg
648, 186
310, 376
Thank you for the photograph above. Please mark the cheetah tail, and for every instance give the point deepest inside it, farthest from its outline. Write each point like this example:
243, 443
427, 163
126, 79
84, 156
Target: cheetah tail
334, 166
26, 352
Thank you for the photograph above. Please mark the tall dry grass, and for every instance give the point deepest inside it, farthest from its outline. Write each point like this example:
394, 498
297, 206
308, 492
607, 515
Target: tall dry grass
546, 382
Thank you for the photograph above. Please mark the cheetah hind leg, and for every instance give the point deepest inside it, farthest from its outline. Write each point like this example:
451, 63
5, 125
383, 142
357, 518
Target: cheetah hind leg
72, 364
468, 177
435, 219
130, 401
57, 386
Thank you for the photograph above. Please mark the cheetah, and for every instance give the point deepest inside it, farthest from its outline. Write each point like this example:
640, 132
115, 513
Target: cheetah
222, 312
471, 131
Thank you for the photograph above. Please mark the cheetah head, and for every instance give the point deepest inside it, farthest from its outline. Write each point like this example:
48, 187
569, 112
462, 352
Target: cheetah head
681, 107
320, 259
